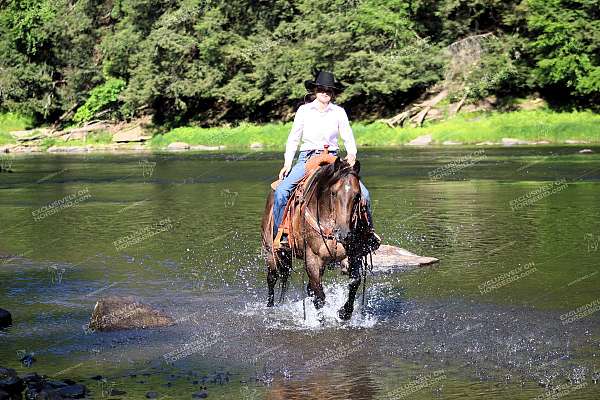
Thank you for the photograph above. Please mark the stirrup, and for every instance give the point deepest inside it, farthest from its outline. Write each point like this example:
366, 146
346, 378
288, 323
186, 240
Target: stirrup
280, 241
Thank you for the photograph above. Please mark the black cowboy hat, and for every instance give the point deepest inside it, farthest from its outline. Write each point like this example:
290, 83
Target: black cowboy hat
324, 78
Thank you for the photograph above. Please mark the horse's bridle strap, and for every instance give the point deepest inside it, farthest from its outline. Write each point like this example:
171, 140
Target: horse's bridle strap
326, 232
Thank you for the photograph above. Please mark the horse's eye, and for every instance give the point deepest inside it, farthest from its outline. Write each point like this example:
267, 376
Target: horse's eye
333, 194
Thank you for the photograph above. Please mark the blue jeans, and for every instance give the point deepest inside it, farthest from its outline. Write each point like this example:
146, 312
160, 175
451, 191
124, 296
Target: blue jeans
287, 185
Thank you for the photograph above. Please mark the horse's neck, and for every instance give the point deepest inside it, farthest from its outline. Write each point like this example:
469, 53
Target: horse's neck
319, 205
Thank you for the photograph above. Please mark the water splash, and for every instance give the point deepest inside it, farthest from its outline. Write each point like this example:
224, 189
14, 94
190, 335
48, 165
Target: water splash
290, 315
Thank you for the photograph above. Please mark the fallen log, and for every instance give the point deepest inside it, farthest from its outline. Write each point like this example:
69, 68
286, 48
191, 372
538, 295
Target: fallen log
427, 105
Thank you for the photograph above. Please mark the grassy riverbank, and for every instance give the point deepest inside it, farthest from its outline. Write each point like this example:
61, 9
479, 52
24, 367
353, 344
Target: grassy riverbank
468, 128
11, 122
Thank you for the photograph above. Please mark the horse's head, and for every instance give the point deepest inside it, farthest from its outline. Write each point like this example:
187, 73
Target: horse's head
345, 198
337, 191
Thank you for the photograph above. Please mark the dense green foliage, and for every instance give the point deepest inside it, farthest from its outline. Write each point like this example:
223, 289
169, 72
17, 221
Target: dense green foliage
100, 98
212, 61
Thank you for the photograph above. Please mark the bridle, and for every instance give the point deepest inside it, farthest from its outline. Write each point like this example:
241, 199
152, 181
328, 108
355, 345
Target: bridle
326, 233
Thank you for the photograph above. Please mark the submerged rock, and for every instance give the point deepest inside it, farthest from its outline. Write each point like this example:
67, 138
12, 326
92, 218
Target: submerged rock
117, 392
10, 382
76, 391
27, 360
5, 318
38, 387
32, 377
115, 313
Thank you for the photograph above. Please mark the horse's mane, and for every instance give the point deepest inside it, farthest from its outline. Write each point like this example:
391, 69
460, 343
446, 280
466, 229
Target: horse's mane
326, 176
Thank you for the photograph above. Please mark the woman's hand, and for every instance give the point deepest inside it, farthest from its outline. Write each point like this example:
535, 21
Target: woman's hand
284, 171
351, 159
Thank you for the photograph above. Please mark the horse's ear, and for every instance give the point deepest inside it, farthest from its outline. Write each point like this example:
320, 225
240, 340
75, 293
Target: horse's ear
337, 163
356, 166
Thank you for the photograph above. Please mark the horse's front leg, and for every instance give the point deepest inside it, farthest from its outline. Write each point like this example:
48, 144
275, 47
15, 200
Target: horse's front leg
272, 276
314, 268
354, 263
284, 270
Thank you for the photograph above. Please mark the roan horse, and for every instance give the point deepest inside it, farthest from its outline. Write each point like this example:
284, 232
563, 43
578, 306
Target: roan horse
328, 224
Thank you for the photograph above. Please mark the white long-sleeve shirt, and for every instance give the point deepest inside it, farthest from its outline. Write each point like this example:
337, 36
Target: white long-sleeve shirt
317, 128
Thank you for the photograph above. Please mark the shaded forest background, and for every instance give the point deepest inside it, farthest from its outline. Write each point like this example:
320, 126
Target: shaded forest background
208, 62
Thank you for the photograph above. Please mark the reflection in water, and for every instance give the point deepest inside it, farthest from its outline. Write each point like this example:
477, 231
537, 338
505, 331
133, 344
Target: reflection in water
206, 271
356, 383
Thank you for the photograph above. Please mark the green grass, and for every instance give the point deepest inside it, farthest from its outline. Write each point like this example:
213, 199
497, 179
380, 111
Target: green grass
12, 122
466, 128
270, 135
100, 137
525, 125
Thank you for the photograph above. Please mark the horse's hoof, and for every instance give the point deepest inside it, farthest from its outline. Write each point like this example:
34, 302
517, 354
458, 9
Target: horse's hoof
319, 303
270, 303
344, 315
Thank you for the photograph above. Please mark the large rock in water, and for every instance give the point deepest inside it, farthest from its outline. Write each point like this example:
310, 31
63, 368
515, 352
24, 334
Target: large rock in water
115, 313
389, 258
5, 318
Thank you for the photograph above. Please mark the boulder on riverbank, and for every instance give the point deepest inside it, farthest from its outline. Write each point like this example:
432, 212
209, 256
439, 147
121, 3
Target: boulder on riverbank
117, 313
67, 149
178, 146
5, 318
420, 141
205, 147
134, 133
513, 141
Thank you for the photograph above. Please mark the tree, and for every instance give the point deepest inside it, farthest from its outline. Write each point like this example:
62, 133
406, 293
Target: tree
565, 45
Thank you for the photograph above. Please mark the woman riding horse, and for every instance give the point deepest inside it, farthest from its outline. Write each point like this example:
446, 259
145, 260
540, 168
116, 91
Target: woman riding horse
331, 221
318, 124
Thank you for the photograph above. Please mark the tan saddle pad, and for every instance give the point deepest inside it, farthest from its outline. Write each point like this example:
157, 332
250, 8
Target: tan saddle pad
313, 163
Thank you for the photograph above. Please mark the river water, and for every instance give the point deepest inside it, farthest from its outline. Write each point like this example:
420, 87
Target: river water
511, 310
